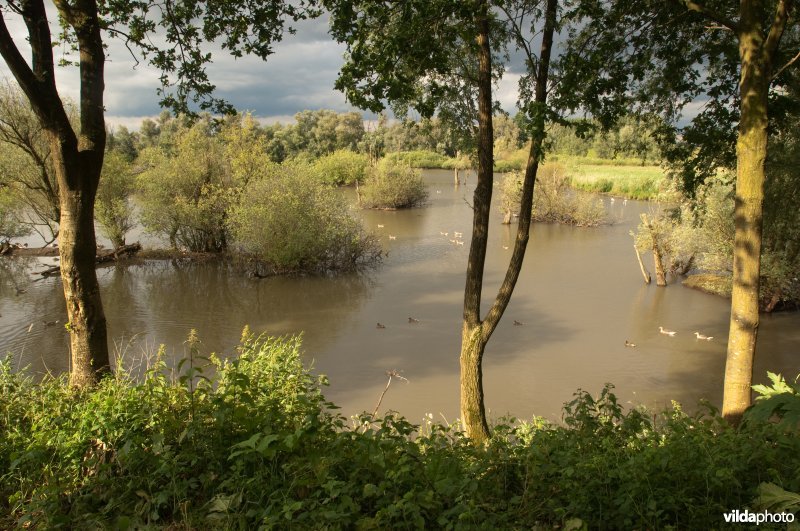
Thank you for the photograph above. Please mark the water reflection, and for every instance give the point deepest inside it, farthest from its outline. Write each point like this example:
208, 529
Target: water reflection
579, 297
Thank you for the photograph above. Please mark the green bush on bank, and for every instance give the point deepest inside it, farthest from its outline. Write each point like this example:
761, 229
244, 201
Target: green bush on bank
552, 199
288, 221
418, 159
261, 448
393, 185
342, 167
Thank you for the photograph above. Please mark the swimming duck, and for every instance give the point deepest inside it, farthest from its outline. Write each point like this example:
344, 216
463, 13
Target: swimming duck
666, 332
412, 320
701, 336
517, 323
629, 344
380, 326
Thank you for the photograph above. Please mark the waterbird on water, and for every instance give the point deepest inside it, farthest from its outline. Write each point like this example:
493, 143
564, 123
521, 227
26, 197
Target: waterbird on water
629, 344
517, 323
392, 237
666, 332
380, 326
412, 320
701, 336
380, 226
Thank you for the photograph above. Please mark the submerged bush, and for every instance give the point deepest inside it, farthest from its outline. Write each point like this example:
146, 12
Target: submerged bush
260, 448
393, 185
342, 167
553, 201
289, 221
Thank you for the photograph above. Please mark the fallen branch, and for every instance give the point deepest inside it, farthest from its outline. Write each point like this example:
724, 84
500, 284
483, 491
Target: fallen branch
124, 251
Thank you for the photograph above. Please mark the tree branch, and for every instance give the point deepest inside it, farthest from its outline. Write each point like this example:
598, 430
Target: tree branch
691, 5
777, 28
787, 65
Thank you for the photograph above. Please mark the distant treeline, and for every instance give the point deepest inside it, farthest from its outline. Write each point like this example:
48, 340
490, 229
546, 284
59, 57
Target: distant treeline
321, 132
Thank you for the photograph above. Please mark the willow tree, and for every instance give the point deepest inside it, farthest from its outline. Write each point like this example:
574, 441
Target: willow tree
77, 152
737, 58
450, 72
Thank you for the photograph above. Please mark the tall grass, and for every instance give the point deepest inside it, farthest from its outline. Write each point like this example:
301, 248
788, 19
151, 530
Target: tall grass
634, 182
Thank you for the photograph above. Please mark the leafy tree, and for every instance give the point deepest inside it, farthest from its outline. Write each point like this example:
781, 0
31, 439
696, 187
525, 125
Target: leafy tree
289, 221
26, 168
450, 72
77, 152
658, 57
113, 210
393, 184
185, 192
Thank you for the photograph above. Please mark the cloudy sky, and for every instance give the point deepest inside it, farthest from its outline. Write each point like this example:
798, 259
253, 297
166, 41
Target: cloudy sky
300, 75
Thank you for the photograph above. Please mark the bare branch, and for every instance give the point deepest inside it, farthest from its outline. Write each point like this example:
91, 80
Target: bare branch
787, 65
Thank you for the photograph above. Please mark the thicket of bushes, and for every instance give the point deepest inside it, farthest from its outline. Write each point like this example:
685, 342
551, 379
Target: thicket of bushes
260, 446
553, 201
290, 221
393, 185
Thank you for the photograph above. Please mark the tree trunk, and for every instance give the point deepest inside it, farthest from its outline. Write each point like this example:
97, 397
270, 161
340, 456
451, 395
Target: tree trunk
658, 263
85, 317
472, 344
476, 333
455, 176
755, 53
77, 159
473, 413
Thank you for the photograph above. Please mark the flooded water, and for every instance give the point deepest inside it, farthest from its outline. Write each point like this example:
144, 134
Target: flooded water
580, 297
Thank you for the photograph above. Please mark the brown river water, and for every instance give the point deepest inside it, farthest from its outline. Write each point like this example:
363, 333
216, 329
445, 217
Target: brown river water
579, 298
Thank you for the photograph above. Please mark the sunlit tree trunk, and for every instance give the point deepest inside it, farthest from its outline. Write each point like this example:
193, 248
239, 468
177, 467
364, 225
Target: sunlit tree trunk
751, 153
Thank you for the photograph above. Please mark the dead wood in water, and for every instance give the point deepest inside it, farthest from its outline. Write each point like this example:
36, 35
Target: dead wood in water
124, 251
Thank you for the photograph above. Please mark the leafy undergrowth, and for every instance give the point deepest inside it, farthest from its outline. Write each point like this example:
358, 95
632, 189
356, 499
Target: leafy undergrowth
259, 447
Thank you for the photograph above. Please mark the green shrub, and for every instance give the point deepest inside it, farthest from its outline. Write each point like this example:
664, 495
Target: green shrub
417, 159
393, 185
186, 190
260, 448
553, 201
342, 167
112, 207
288, 221
10, 211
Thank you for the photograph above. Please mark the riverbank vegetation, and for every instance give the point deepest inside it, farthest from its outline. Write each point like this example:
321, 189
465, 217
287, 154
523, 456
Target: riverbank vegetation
262, 447
392, 185
553, 201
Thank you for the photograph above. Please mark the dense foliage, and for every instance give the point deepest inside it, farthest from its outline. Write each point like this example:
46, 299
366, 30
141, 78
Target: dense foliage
261, 447
342, 167
112, 208
287, 220
553, 201
393, 185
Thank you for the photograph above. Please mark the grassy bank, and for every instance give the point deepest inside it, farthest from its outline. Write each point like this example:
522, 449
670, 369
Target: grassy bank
619, 177
261, 448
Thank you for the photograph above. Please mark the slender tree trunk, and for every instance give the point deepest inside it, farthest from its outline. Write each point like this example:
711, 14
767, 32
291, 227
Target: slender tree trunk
658, 264
473, 342
476, 333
